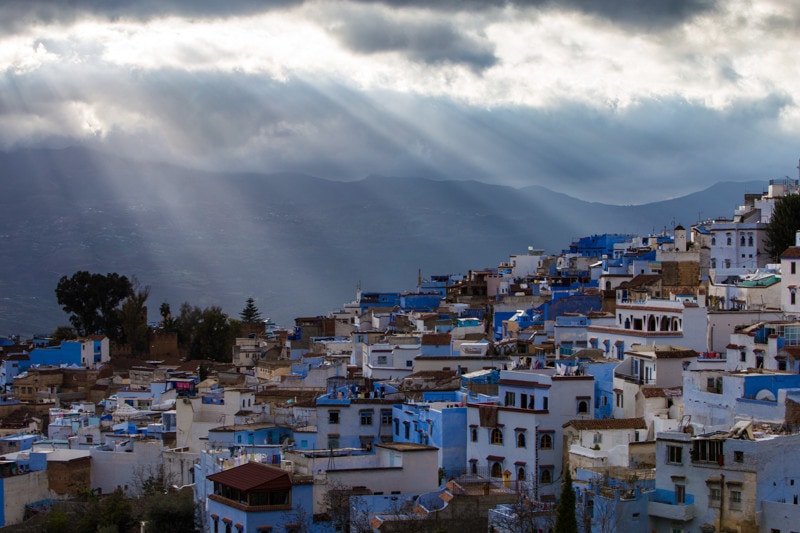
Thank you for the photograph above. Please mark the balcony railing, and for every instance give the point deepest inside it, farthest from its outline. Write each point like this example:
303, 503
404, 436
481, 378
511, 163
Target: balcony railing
665, 504
631, 378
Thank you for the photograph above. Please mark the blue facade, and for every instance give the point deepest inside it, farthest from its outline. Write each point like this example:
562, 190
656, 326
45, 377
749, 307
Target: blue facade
251, 521
68, 353
755, 383
440, 421
603, 387
378, 299
598, 245
420, 301
571, 303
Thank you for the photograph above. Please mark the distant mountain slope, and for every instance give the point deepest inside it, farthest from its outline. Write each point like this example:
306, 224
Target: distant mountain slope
298, 244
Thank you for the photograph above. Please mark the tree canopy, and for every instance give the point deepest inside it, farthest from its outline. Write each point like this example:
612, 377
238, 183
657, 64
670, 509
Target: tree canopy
92, 301
209, 333
250, 314
783, 225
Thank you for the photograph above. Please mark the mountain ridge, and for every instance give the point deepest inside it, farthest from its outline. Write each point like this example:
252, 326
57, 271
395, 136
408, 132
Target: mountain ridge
299, 244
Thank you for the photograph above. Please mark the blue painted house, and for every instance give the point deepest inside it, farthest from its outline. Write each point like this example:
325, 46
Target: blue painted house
440, 420
256, 497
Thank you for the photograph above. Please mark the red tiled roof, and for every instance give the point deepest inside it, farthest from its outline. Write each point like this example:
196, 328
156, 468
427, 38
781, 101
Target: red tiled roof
608, 423
793, 252
253, 476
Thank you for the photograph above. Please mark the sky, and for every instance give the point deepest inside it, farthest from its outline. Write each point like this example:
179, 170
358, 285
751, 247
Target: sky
619, 101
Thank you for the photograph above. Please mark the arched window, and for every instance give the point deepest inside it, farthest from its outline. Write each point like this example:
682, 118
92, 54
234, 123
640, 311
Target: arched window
521, 474
583, 407
520, 440
497, 436
742, 241
497, 470
651, 323
546, 442
729, 241
474, 434
546, 476
713, 241
473, 467
664, 323
750, 240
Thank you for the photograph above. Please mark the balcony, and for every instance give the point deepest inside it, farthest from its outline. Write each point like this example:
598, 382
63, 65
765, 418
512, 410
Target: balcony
631, 378
663, 504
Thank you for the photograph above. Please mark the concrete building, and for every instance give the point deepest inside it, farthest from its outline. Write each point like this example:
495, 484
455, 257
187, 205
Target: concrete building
439, 420
648, 382
519, 438
255, 497
738, 479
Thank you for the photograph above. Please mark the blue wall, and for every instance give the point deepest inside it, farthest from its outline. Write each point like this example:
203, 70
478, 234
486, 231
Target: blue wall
69, 353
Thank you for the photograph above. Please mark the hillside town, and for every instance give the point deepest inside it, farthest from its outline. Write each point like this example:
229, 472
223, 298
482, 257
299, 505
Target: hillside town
655, 378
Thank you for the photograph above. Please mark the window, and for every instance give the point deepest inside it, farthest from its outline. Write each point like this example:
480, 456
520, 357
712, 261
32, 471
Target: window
738, 457
333, 417
546, 442
407, 430
714, 496
707, 451
583, 407
510, 399
680, 494
397, 427
674, 455
544, 403
743, 356
619, 399
736, 499
520, 440
497, 470
382, 359
366, 418
409, 363
793, 267
713, 241
333, 442
521, 474
386, 418
474, 434
545, 475
496, 436
729, 241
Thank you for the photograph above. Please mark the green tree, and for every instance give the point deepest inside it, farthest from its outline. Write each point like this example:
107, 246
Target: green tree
566, 521
92, 301
214, 335
174, 512
62, 333
188, 319
167, 322
783, 225
250, 314
133, 318
107, 513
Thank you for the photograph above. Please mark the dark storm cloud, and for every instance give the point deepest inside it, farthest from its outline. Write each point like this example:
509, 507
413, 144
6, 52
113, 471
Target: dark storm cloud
657, 148
18, 14
646, 14
429, 42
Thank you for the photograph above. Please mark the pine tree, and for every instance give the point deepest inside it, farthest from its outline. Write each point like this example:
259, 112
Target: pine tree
783, 224
250, 314
566, 521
